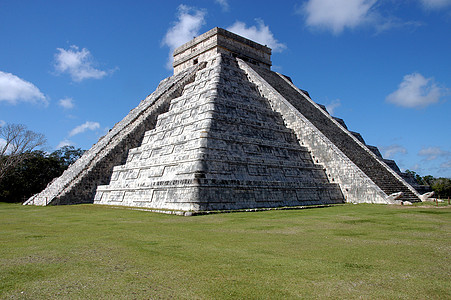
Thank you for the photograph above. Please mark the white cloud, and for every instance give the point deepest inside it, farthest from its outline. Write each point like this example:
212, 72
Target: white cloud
392, 150
332, 106
83, 127
432, 153
77, 63
66, 103
224, 4
415, 91
384, 22
336, 15
435, 4
261, 35
14, 89
2, 123
189, 21
63, 143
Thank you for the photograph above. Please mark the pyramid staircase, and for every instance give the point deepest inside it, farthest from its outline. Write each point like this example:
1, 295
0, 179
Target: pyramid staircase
350, 143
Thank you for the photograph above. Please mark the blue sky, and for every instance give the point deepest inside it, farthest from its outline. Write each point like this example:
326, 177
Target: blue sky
72, 69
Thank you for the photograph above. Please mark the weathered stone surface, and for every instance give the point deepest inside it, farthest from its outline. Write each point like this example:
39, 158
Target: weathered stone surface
220, 146
226, 133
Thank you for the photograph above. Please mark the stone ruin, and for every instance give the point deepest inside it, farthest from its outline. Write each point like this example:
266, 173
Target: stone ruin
224, 133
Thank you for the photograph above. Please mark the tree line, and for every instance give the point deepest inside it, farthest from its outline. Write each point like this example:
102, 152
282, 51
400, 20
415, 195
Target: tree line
34, 172
24, 170
441, 186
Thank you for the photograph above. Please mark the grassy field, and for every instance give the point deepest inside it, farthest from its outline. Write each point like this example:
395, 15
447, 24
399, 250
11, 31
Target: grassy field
346, 252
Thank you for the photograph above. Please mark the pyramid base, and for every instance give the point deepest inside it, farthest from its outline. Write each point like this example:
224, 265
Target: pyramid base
209, 212
210, 195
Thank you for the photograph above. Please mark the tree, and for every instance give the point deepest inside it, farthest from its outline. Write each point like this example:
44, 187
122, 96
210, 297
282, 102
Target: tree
29, 176
428, 180
442, 187
16, 143
417, 177
67, 155
34, 173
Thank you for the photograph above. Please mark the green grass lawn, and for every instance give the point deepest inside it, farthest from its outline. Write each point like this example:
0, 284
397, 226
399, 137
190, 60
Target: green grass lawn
350, 251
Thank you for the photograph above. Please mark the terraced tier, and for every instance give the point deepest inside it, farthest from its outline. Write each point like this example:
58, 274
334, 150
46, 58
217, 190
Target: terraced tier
219, 146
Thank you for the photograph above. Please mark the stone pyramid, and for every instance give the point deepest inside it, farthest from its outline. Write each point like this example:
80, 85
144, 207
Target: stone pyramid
225, 132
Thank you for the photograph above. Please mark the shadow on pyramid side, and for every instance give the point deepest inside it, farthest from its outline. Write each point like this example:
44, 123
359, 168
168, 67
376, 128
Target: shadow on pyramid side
226, 133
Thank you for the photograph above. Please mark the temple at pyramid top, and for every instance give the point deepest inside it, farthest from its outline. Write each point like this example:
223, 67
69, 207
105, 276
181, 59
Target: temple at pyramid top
217, 41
